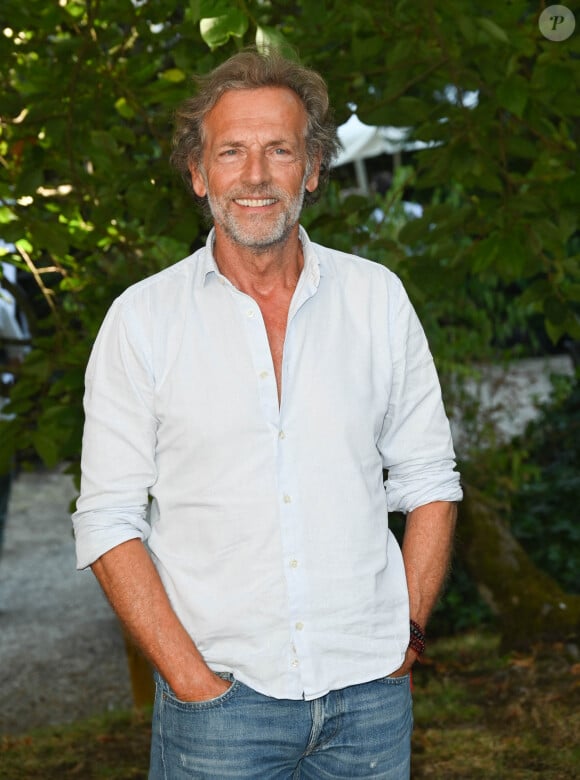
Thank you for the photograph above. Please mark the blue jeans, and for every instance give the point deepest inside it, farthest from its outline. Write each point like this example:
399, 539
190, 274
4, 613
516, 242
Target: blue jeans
363, 731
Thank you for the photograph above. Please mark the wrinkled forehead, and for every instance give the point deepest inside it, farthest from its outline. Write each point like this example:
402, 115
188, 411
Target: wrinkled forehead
261, 107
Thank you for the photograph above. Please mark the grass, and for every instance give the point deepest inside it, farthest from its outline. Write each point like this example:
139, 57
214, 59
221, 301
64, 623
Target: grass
112, 747
478, 714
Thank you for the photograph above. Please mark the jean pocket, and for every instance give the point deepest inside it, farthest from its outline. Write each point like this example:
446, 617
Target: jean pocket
402, 679
170, 698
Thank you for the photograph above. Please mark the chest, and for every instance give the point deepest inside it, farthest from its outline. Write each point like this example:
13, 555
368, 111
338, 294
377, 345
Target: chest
275, 316
231, 366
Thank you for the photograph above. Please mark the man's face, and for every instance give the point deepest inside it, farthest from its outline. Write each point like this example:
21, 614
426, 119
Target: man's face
254, 166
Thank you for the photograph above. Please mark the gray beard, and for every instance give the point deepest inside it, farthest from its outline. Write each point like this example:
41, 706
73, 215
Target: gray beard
249, 235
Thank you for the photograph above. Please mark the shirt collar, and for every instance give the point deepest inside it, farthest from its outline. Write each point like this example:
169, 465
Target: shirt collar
313, 264
210, 266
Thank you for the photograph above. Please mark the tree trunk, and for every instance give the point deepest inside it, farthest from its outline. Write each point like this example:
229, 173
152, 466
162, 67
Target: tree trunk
529, 605
140, 673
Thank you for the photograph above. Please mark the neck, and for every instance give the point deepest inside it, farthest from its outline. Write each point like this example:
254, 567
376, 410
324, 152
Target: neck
259, 271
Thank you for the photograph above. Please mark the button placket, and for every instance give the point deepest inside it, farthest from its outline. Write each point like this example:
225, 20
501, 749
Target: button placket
291, 516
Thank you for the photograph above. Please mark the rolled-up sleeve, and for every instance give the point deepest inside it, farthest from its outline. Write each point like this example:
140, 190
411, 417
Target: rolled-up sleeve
99, 531
118, 454
415, 442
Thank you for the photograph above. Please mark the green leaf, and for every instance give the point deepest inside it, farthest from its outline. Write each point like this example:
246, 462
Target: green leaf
554, 310
104, 141
493, 29
513, 94
467, 28
415, 230
211, 8
24, 245
124, 109
217, 30
29, 181
75, 8
195, 10
514, 256
173, 75
51, 237
46, 447
6, 215
272, 38
573, 292
554, 330
403, 112
486, 252
568, 224
536, 293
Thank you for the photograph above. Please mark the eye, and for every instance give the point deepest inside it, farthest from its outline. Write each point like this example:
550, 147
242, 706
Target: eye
281, 151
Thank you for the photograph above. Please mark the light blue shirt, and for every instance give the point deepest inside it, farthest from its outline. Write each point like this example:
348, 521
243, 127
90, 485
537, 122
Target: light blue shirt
268, 522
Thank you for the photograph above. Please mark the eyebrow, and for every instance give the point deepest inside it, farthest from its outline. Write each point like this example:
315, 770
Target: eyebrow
235, 144
238, 144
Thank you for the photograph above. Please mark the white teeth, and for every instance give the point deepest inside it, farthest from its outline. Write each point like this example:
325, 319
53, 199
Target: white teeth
255, 202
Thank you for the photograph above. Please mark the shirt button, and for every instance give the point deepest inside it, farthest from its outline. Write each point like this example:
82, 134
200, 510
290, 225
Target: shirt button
294, 663
281, 435
287, 498
264, 374
299, 626
294, 563
251, 313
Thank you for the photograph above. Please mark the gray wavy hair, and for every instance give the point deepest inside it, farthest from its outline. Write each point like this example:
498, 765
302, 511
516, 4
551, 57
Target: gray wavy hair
252, 70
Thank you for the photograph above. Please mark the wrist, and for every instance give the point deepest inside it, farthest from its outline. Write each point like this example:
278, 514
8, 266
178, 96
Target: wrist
417, 637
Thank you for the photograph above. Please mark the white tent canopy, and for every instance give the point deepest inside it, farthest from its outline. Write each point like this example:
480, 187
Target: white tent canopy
360, 141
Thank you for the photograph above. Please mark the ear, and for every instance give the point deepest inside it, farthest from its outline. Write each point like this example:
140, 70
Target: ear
312, 180
198, 181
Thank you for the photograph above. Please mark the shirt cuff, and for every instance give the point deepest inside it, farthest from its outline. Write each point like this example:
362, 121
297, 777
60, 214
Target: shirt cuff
97, 532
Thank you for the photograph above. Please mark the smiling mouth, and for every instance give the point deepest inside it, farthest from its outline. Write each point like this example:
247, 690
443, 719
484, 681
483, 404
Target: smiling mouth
255, 202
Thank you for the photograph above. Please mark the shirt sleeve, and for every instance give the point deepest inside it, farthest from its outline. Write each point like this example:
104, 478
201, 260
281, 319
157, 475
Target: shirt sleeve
118, 454
415, 441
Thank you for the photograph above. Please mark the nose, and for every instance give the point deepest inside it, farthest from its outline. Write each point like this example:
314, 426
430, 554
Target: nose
256, 168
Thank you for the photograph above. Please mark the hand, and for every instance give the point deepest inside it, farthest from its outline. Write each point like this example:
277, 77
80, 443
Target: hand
210, 688
410, 657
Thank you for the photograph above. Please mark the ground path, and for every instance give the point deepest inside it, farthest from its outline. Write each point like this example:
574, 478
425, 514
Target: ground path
61, 652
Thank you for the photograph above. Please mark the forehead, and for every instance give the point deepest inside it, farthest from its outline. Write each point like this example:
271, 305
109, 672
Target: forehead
276, 110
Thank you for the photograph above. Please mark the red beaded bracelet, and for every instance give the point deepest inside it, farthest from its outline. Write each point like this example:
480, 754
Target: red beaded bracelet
417, 637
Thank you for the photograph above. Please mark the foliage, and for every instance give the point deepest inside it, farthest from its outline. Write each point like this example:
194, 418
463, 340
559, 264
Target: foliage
86, 194
544, 513
477, 715
87, 198
489, 185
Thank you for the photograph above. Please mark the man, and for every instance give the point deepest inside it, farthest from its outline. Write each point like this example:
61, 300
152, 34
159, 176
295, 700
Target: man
255, 391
